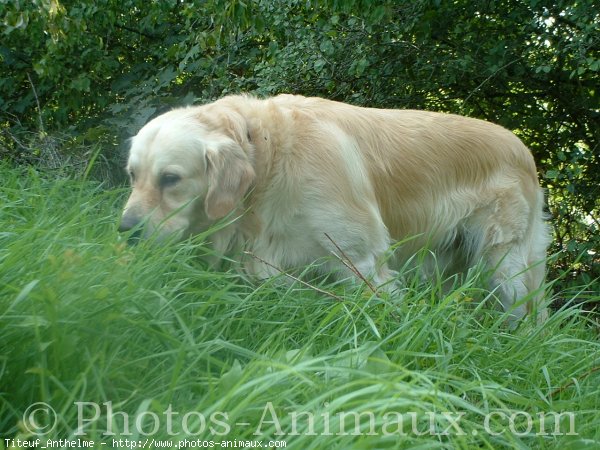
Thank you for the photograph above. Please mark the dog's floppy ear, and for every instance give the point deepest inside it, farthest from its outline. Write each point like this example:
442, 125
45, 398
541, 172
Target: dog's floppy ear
230, 175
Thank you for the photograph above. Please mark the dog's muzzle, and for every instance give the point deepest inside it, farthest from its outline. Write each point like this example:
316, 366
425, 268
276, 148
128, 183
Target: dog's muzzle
131, 222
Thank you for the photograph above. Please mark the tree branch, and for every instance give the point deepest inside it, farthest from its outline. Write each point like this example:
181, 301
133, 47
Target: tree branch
350, 265
37, 100
573, 380
304, 283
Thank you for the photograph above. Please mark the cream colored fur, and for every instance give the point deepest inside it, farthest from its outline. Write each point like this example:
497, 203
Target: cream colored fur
296, 170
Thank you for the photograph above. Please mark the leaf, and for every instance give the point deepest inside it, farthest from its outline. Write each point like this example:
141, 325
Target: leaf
367, 357
319, 64
15, 21
166, 76
327, 47
361, 66
232, 377
81, 83
24, 293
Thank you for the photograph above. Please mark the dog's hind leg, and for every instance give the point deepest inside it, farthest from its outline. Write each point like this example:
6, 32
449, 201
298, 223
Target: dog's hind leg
512, 245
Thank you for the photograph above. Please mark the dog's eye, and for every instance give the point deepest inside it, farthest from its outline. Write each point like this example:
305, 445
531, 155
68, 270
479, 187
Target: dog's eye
131, 176
169, 179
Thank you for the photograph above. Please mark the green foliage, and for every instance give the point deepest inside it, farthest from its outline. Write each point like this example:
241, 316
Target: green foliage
85, 318
98, 70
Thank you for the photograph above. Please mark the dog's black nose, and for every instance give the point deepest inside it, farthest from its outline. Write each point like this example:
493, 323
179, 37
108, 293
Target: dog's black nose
128, 221
131, 222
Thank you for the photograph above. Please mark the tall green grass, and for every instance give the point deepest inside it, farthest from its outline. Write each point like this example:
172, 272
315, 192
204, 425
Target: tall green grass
150, 332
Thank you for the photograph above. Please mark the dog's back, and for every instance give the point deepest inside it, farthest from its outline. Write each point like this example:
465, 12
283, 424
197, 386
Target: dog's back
466, 188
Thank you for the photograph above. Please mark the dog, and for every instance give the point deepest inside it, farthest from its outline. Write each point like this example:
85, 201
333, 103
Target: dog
297, 178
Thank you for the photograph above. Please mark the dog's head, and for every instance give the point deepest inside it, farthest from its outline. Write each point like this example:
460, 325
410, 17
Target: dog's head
187, 170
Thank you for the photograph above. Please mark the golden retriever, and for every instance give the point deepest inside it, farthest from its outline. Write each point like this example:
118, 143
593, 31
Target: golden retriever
301, 178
